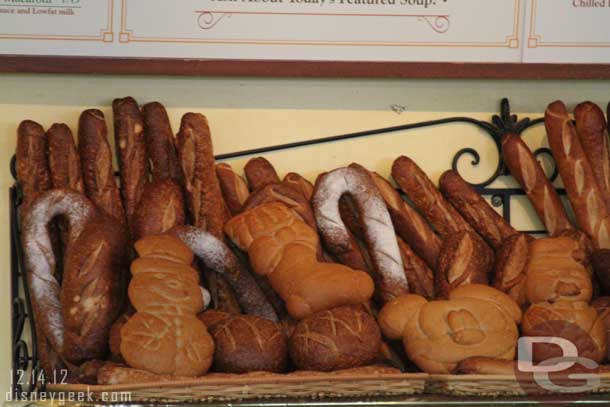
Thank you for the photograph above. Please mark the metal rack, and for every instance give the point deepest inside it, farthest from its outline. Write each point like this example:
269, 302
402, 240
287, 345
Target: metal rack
24, 357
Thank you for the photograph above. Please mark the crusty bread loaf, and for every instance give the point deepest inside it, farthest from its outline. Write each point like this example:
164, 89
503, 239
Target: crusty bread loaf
339, 338
557, 269
283, 247
64, 162
575, 321
165, 336
259, 173
297, 182
246, 343
602, 306
161, 208
511, 266
160, 143
476, 320
234, 188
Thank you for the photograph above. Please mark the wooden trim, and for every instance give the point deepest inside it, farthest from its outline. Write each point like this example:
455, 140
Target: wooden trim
308, 69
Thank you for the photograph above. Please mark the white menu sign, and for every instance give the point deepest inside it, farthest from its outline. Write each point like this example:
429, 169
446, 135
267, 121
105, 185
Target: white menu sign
569, 31
334, 30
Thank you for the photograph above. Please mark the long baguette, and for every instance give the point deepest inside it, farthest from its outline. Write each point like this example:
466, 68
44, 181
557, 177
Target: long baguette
577, 175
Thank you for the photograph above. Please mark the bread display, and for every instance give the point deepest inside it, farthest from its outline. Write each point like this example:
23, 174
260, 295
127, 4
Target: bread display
246, 343
475, 320
131, 152
276, 280
76, 317
575, 321
339, 338
557, 269
585, 195
464, 259
164, 336
526, 169
378, 230
283, 248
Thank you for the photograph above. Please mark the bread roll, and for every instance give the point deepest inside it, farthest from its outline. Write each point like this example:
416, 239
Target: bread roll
297, 182
234, 188
511, 267
575, 321
476, 320
340, 338
246, 343
161, 208
259, 173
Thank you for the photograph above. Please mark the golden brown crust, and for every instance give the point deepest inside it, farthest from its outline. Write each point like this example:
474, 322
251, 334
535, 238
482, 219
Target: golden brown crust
161, 208
340, 338
590, 209
593, 135
481, 216
246, 343
527, 171
431, 203
283, 247
409, 224
464, 259
259, 173
130, 148
511, 266
160, 143
296, 181
486, 366
234, 188
114, 338
64, 162
96, 163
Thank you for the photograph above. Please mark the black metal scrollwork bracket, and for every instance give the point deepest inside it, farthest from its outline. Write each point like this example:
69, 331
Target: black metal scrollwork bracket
25, 355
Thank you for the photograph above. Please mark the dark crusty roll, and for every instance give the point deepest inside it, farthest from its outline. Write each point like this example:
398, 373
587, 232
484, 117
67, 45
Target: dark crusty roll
511, 266
32, 165
259, 173
64, 162
339, 338
409, 224
296, 181
234, 188
481, 216
218, 258
527, 171
418, 187
585, 195
419, 276
160, 143
464, 259
160, 209
96, 163
130, 148
246, 343
593, 135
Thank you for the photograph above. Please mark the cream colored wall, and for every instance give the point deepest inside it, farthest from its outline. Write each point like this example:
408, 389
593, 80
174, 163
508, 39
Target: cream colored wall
249, 113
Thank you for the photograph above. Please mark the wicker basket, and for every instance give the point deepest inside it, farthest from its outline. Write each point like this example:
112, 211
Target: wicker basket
495, 385
273, 386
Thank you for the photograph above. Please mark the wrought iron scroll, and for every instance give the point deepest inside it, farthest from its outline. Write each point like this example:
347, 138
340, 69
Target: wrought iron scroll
25, 357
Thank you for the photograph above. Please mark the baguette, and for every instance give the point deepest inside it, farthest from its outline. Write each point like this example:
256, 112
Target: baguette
481, 216
234, 188
528, 172
296, 181
593, 134
160, 143
131, 153
409, 224
64, 162
96, 163
418, 187
583, 191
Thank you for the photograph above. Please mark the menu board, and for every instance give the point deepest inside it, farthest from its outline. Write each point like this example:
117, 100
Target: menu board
470, 31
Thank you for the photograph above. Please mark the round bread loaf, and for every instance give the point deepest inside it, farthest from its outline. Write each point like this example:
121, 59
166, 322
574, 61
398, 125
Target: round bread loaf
246, 343
340, 338
575, 321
